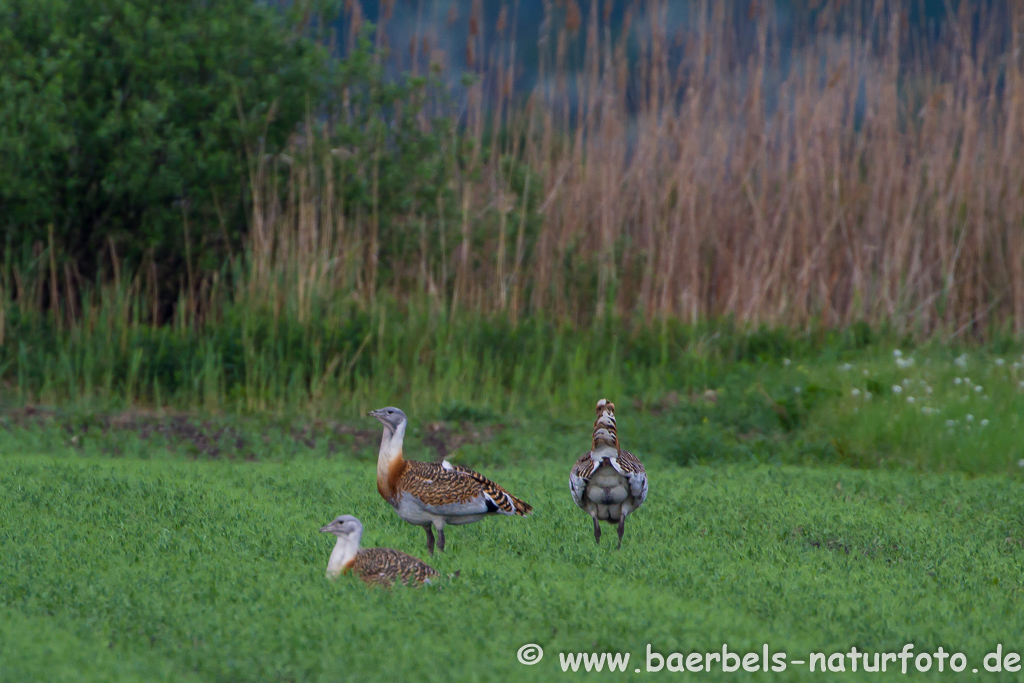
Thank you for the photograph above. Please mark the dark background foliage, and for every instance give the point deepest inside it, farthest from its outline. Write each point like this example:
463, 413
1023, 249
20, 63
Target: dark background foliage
122, 123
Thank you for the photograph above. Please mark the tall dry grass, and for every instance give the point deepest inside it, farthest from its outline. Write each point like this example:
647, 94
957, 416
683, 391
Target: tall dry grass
660, 170
864, 174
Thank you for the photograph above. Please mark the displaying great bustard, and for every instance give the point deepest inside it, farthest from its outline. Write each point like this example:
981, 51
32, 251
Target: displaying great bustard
608, 482
430, 494
375, 566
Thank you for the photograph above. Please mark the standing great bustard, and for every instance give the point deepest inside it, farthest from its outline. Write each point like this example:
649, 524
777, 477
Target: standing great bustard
375, 566
608, 482
430, 494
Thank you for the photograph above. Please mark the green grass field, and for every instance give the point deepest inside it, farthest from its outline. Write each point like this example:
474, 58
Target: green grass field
786, 508
170, 570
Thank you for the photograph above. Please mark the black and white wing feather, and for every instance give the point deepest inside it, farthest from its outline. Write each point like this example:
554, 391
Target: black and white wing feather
579, 477
630, 467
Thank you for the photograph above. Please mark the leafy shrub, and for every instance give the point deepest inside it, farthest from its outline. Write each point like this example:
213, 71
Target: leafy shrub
123, 122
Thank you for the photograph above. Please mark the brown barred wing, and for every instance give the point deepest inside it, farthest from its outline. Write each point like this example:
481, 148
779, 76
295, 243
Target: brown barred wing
453, 490
384, 566
506, 502
629, 463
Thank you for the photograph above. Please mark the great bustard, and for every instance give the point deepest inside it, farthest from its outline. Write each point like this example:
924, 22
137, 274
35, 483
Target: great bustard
375, 566
430, 494
608, 482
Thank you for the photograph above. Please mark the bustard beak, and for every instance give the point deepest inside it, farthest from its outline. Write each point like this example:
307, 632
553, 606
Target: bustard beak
327, 528
374, 413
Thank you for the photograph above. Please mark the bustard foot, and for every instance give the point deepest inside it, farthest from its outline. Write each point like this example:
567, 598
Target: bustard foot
622, 528
597, 532
440, 539
430, 540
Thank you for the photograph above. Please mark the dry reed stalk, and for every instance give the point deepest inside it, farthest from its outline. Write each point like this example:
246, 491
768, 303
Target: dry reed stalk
862, 175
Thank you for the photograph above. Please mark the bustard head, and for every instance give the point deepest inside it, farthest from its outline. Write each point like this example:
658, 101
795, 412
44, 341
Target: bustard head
345, 525
390, 417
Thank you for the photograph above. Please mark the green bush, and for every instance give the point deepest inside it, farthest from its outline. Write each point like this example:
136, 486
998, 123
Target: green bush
122, 121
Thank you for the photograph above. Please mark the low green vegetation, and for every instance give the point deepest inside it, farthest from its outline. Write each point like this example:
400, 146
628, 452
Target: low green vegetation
149, 566
702, 394
340, 358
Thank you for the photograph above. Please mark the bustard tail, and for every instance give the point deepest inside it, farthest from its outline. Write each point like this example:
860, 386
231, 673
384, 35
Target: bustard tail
497, 497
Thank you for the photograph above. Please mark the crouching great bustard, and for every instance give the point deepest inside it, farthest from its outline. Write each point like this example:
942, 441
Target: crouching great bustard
608, 482
375, 566
431, 494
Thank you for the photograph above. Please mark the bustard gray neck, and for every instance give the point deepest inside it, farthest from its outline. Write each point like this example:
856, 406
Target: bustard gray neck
345, 550
391, 441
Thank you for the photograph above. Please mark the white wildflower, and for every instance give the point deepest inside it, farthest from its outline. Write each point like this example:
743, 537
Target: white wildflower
855, 392
969, 418
950, 423
786, 361
977, 389
896, 389
845, 366
961, 360
867, 395
958, 381
910, 399
897, 353
984, 423
1000, 361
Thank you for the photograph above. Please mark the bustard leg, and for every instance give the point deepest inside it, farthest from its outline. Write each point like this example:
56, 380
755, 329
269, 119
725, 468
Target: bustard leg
597, 532
430, 539
622, 528
439, 525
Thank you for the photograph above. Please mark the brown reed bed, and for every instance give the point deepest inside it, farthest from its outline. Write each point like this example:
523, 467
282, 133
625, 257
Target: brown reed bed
860, 173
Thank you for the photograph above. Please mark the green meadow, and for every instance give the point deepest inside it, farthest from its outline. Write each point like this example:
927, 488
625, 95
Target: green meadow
787, 508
